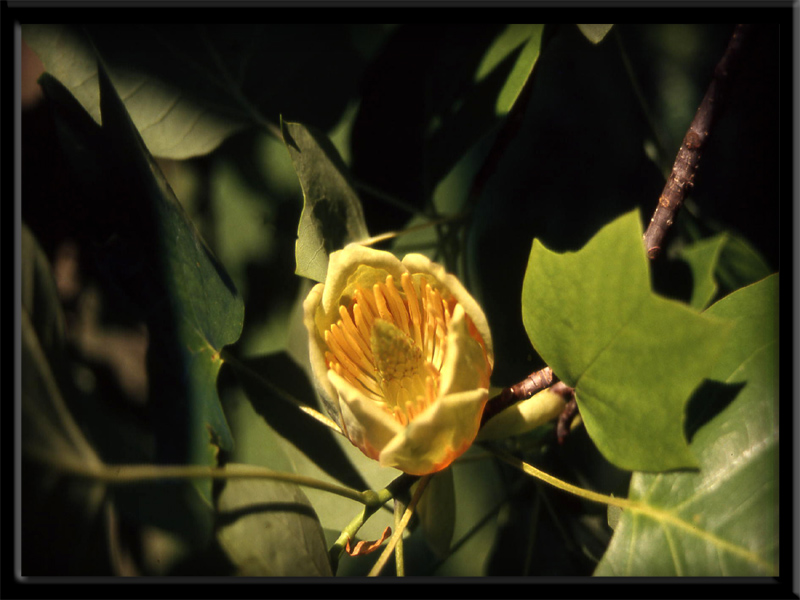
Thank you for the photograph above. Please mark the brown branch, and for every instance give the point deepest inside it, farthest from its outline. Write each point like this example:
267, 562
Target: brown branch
535, 382
683, 171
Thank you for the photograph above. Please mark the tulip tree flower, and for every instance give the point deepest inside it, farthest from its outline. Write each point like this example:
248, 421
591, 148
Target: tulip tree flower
401, 356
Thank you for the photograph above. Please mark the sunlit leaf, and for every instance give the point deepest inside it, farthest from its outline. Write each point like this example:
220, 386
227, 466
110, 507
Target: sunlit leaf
188, 87
722, 520
332, 214
526, 40
172, 123
269, 529
633, 357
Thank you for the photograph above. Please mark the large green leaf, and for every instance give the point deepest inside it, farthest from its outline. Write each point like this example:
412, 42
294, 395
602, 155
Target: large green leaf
633, 357
153, 253
722, 520
201, 310
268, 528
332, 214
188, 87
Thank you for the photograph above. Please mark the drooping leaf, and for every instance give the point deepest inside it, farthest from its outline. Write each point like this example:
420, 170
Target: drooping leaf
595, 32
199, 308
722, 520
332, 213
269, 529
188, 87
633, 357
154, 255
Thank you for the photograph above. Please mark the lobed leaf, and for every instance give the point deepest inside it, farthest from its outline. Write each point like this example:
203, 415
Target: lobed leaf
633, 357
722, 520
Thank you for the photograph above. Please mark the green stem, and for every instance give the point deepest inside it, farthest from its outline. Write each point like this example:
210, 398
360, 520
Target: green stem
374, 500
399, 561
657, 514
132, 474
401, 527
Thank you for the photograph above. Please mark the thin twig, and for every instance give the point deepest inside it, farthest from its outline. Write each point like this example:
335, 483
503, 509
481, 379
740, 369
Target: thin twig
535, 382
567, 415
681, 179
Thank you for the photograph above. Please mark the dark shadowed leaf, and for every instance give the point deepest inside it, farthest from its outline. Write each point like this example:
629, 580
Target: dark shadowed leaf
269, 529
332, 214
152, 252
633, 357
198, 308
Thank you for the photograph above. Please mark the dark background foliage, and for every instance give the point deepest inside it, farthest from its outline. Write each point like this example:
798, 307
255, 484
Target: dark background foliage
577, 162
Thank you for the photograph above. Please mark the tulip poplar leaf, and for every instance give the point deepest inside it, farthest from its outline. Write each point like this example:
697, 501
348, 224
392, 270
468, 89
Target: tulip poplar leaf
633, 356
188, 87
332, 214
153, 254
723, 519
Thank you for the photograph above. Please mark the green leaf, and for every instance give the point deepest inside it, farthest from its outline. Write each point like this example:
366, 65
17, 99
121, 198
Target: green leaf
332, 214
173, 124
188, 87
269, 529
739, 264
200, 309
442, 91
594, 32
703, 257
525, 41
502, 72
153, 253
633, 357
722, 520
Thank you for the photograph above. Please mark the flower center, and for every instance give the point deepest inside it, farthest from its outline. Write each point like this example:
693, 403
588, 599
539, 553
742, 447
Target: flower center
390, 343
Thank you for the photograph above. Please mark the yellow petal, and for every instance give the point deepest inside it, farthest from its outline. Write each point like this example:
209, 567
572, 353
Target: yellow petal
365, 423
437, 437
464, 365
